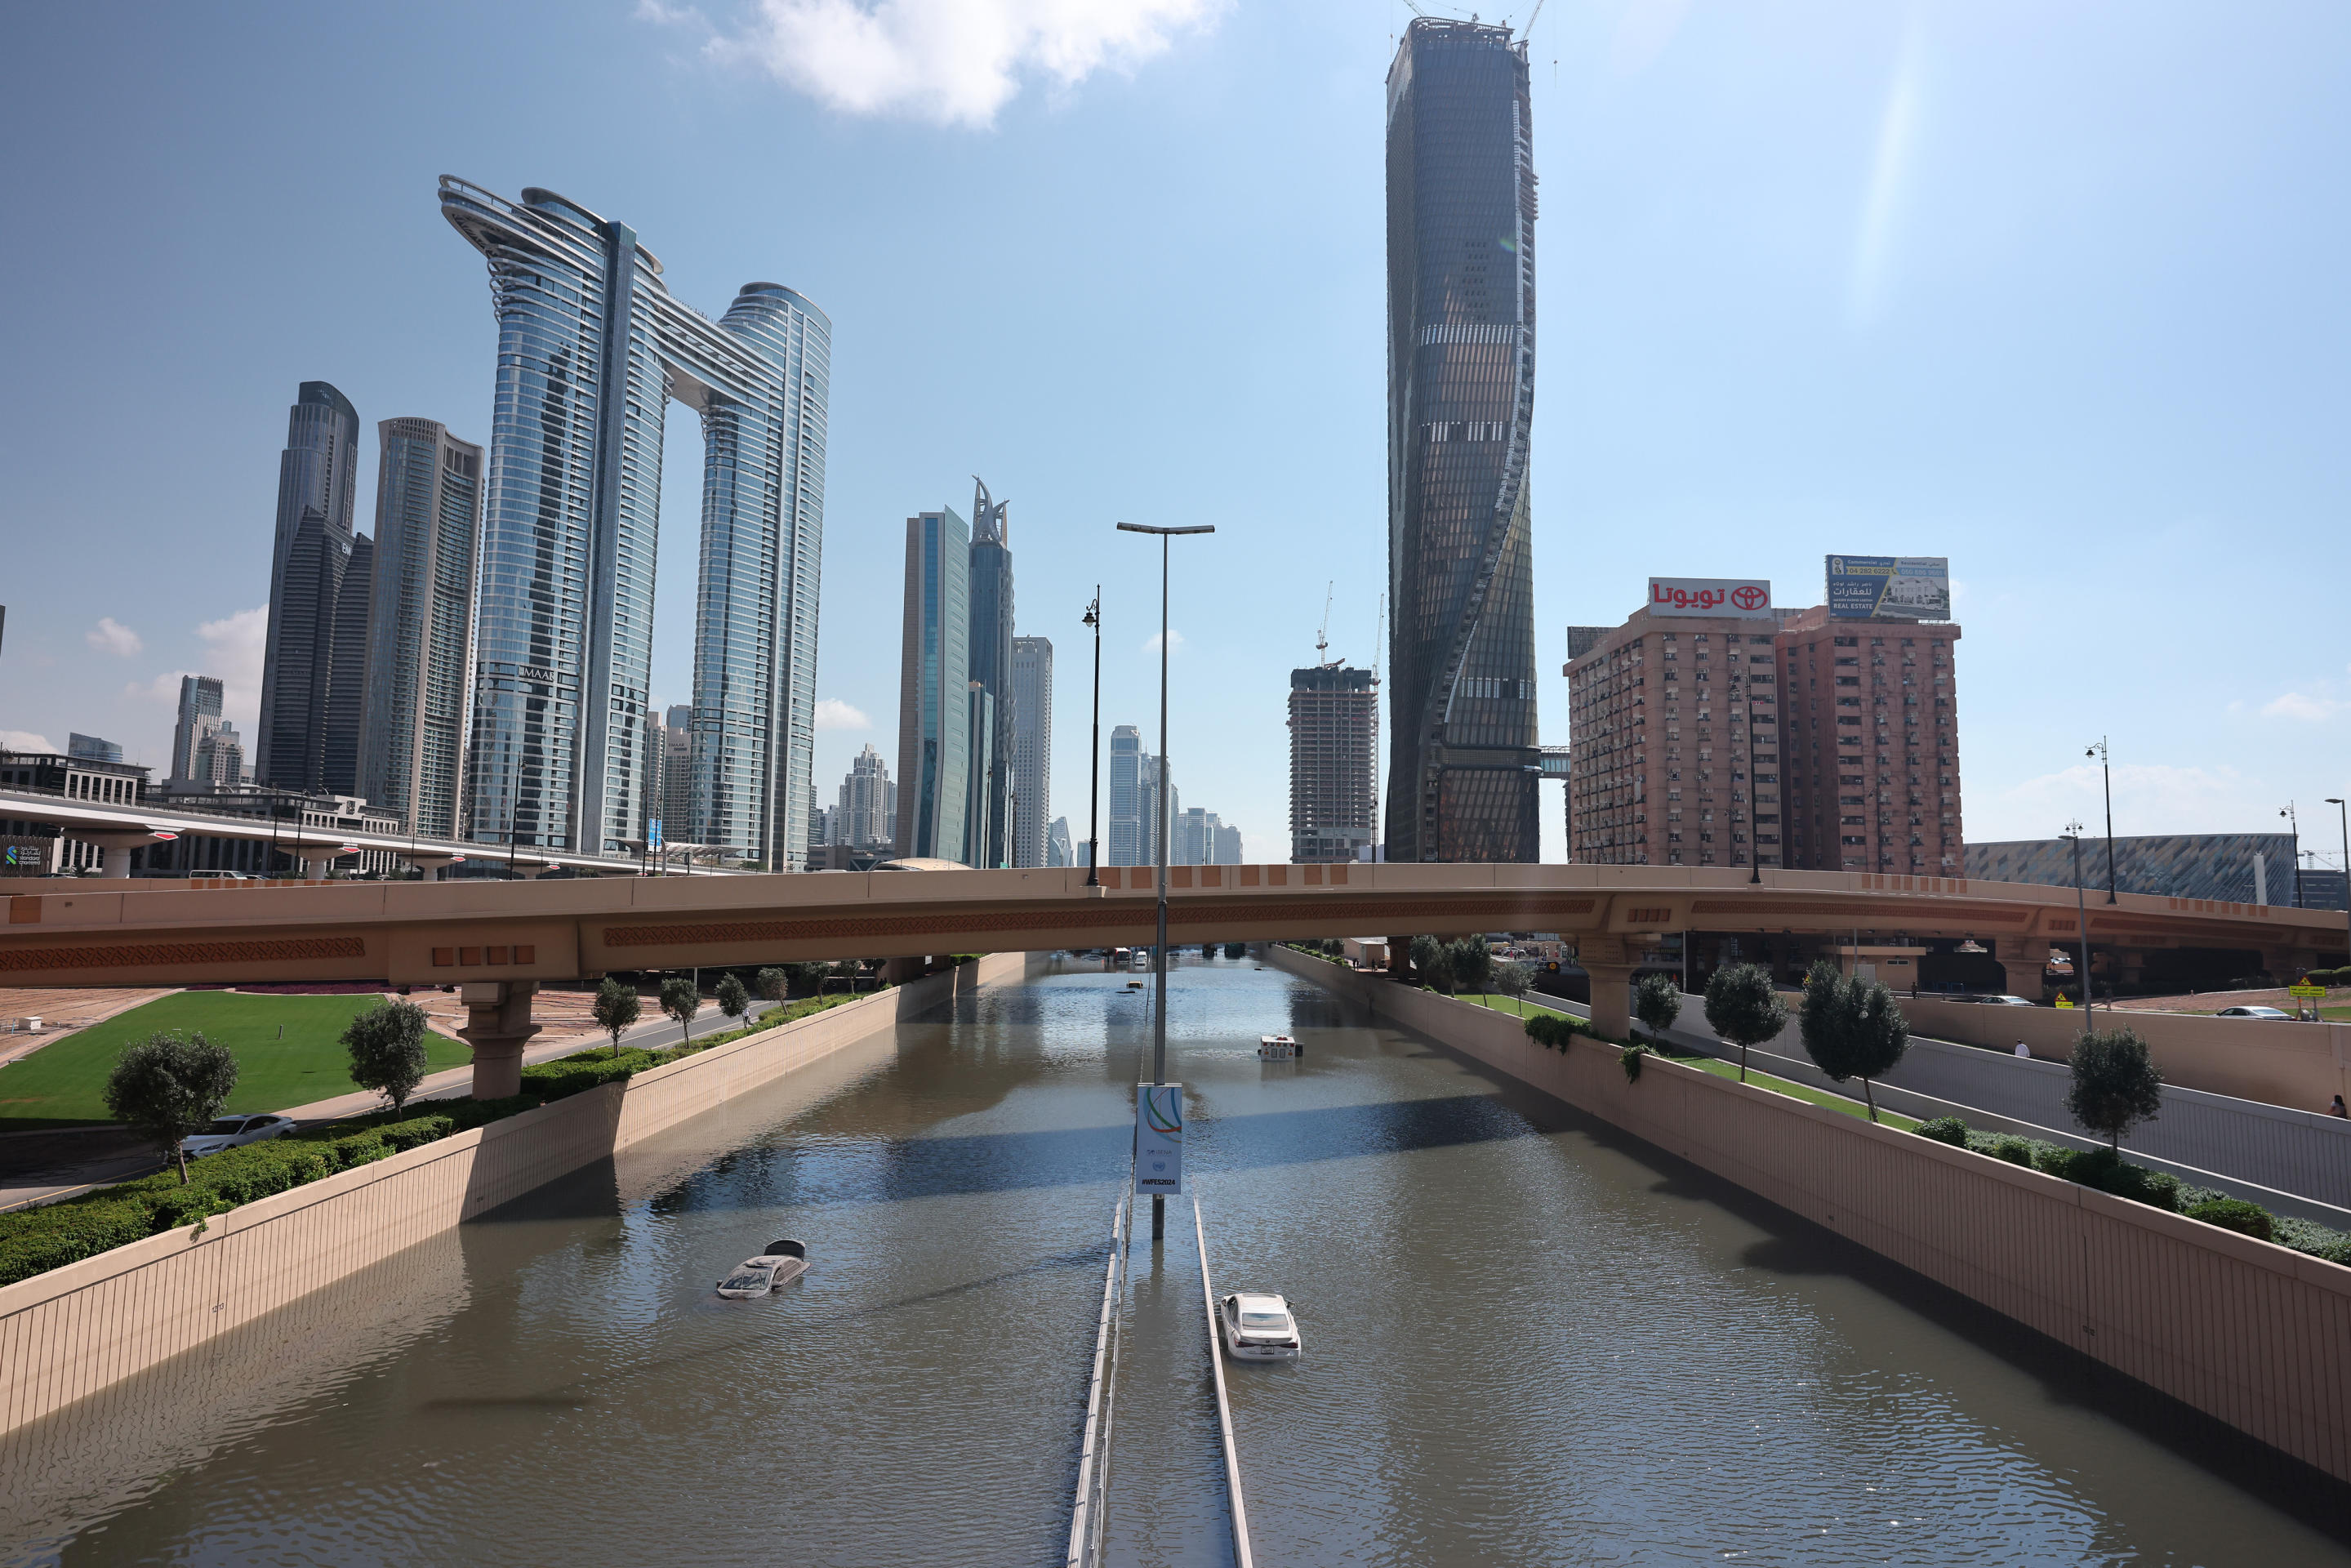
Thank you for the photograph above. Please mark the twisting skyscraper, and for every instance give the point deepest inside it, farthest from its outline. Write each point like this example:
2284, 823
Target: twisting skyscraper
1465, 763
591, 348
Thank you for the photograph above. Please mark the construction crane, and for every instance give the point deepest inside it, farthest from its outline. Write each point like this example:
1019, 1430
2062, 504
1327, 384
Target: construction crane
1322, 632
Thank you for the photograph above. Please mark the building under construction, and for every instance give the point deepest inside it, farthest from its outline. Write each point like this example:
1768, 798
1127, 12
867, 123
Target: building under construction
1334, 733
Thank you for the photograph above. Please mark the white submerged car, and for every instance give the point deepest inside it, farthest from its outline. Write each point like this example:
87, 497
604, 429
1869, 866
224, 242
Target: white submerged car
1278, 1047
783, 1262
1258, 1327
235, 1131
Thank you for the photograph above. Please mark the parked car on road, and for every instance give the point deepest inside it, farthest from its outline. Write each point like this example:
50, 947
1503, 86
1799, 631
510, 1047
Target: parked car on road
2266, 1014
230, 1132
2006, 1002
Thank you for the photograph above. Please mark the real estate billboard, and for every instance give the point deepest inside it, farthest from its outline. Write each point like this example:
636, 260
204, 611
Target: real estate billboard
1889, 587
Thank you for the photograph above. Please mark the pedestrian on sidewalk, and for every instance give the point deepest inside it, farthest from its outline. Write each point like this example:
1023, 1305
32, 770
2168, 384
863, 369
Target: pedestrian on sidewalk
2337, 1109
2023, 1049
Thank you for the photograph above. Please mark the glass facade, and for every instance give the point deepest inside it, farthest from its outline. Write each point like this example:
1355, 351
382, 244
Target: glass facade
1465, 763
934, 706
591, 348
428, 512
1032, 748
991, 671
318, 476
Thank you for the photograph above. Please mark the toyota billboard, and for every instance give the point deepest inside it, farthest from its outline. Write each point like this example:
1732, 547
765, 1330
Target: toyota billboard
1741, 598
1890, 587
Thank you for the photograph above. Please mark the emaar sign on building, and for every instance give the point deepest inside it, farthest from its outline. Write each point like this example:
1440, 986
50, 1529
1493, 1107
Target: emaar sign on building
1890, 587
1745, 598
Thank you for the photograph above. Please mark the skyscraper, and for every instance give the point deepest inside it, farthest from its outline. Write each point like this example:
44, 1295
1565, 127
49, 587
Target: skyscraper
1465, 763
348, 676
200, 717
1160, 808
317, 477
1126, 761
1334, 737
1032, 748
428, 522
653, 786
991, 669
591, 347
1059, 850
677, 775
867, 814
934, 690
93, 748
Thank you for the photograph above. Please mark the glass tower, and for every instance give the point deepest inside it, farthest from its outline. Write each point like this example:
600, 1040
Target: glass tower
1032, 748
591, 348
934, 691
1465, 763
428, 519
318, 476
991, 671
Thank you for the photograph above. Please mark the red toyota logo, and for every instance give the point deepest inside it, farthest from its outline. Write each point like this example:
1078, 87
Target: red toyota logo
1749, 597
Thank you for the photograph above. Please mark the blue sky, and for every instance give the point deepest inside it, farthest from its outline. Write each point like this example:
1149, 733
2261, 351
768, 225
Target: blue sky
2055, 291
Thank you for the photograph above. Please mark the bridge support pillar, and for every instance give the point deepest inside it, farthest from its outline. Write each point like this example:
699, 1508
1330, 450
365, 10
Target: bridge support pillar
1610, 962
498, 1026
904, 971
2022, 959
1400, 959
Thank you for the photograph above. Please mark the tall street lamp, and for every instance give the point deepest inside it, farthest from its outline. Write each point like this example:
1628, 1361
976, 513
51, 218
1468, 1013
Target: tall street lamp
2340, 811
2294, 826
2099, 751
1159, 810
2082, 921
1093, 757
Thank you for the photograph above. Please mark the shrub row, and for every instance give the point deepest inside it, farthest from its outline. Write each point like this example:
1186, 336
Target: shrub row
35, 1241
1551, 1030
2328, 976
2101, 1169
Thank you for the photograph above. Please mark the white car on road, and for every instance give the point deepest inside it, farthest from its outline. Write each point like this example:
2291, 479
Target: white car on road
1258, 1327
230, 1132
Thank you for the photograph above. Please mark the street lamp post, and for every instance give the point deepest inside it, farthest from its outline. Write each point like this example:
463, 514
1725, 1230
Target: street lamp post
2294, 826
1093, 757
2341, 811
1159, 810
2082, 922
2099, 751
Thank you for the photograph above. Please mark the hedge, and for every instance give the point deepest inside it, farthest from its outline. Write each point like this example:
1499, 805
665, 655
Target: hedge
2158, 1189
35, 1241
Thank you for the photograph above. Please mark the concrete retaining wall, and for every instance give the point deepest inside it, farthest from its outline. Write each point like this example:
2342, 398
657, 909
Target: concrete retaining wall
2255, 1336
2299, 1065
70, 1333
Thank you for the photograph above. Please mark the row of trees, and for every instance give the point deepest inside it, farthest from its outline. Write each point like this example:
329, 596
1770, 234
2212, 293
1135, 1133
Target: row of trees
1468, 964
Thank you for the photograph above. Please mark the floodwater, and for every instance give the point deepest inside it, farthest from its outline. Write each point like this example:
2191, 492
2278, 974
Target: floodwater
1529, 1340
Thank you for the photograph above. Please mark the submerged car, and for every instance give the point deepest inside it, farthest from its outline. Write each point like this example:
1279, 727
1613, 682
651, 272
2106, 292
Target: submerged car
2271, 1014
230, 1132
783, 1262
1258, 1327
1278, 1047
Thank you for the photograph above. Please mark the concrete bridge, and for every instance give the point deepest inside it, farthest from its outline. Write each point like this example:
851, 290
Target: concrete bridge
500, 940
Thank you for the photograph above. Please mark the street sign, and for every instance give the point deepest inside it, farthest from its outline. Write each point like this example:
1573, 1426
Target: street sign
654, 834
1159, 1140
2065, 1001
2308, 993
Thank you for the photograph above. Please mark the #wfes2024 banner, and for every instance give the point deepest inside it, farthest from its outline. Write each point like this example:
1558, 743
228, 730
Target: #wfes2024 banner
1889, 587
1159, 1140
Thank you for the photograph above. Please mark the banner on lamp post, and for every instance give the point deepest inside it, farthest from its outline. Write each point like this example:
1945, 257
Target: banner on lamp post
1159, 1140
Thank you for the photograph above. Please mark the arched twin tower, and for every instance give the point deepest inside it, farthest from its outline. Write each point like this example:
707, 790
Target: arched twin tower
592, 349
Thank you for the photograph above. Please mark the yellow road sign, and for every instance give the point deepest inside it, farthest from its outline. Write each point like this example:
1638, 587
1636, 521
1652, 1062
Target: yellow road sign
2308, 993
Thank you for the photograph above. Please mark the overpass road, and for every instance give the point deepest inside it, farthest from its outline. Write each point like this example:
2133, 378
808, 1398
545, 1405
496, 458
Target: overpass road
500, 939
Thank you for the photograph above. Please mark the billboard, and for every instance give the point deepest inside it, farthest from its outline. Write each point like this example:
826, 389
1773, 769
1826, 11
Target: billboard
1159, 1140
1741, 598
1889, 587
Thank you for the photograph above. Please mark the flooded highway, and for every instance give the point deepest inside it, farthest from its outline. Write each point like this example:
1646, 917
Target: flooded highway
1529, 1340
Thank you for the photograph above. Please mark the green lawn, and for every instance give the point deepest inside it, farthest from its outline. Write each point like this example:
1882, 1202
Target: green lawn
64, 1085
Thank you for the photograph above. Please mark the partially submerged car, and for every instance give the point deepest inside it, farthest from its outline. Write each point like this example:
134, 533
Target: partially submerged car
232, 1131
1257, 1326
784, 1261
1276, 1047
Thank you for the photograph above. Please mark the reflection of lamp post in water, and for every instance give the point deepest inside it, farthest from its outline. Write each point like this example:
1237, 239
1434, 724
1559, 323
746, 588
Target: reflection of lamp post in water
1159, 810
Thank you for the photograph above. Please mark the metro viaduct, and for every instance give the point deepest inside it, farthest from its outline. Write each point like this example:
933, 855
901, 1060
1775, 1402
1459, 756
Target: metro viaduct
500, 940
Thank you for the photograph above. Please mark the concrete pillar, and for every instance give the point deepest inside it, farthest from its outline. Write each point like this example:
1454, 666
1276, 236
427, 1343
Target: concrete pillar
434, 867
2022, 959
498, 1024
1400, 959
115, 849
902, 971
1610, 961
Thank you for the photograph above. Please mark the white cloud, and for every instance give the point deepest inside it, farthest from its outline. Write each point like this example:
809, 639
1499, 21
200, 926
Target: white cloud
831, 712
111, 637
26, 741
2310, 710
1175, 640
950, 62
164, 688
1889, 178
233, 651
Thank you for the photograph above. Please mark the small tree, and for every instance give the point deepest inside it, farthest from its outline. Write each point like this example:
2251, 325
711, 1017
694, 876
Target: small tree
1744, 1008
1432, 963
1656, 1002
807, 977
1853, 1028
169, 1085
617, 1009
1473, 964
681, 1001
1513, 980
772, 982
2115, 1086
387, 1047
734, 996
